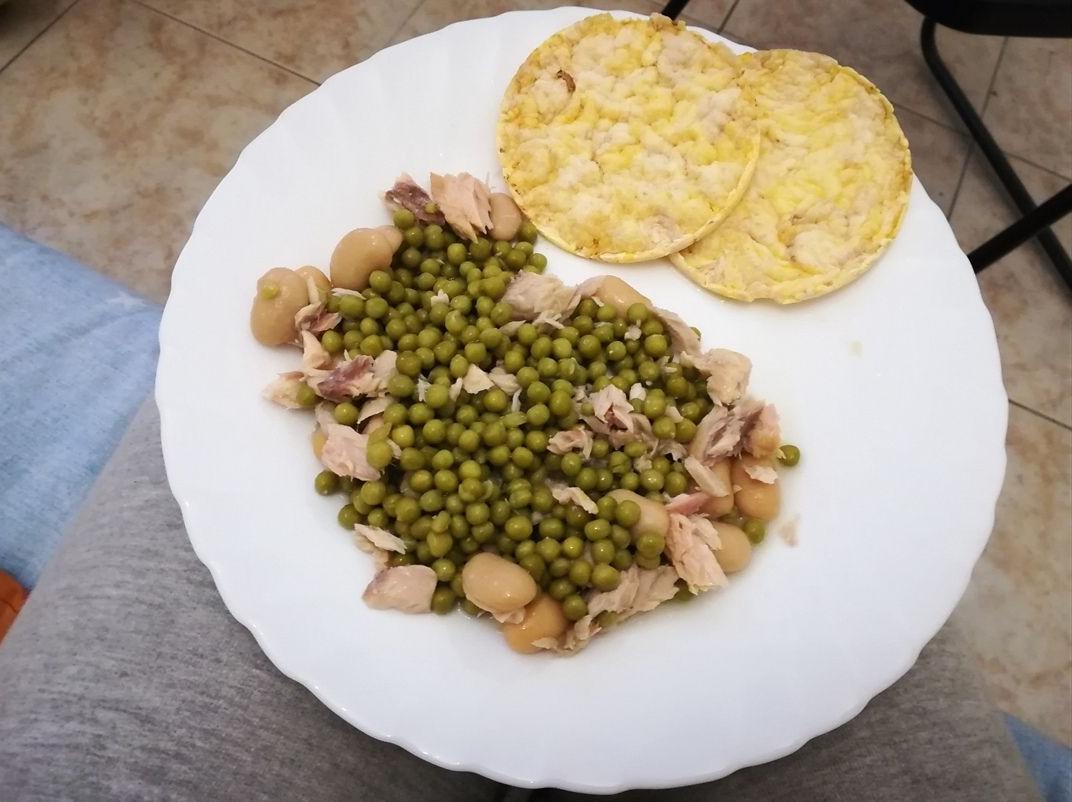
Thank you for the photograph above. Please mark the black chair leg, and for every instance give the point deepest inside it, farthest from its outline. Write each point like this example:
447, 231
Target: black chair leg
1022, 230
674, 7
1031, 223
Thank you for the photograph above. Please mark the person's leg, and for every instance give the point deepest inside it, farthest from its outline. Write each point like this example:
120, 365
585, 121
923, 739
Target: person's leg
932, 736
125, 678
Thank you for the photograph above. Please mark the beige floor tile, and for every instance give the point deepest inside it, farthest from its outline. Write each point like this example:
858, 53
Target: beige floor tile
880, 39
938, 155
315, 38
1017, 612
1030, 108
22, 20
134, 119
435, 14
1031, 306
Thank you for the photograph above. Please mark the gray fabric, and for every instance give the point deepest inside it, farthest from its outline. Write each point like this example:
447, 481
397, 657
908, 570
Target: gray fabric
125, 678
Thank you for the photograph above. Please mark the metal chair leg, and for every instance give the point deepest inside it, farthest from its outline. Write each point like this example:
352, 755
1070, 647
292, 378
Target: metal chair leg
1013, 185
674, 7
1022, 230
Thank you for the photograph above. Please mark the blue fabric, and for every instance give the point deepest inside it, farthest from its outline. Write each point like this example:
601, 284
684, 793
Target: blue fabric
1049, 761
77, 356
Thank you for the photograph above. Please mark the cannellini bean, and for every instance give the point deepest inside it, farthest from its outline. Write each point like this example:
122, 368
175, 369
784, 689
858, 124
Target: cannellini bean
322, 282
736, 551
653, 515
754, 499
717, 506
319, 438
543, 619
505, 217
361, 252
497, 585
280, 294
619, 294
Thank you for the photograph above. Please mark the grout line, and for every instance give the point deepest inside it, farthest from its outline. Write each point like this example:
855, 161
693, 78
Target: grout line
726, 19
973, 147
994, 76
1038, 414
39, 34
1037, 166
220, 39
402, 24
960, 179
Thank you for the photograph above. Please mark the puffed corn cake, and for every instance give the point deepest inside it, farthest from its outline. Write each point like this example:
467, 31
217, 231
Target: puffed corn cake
829, 191
625, 140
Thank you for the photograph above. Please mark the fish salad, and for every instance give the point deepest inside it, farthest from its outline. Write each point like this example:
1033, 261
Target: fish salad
559, 458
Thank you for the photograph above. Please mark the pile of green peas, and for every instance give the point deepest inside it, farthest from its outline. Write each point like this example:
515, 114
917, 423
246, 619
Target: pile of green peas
472, 475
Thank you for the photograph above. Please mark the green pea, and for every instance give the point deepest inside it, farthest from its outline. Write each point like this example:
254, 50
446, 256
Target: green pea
522, 457
676, 484
379, 455
560, 588
536, 441
597, 529
444, 569
629, 481
348, 516
547, 368
559, 567
606, 313
332, 341
580, 573
572, 463
401, 386
607, 507
656, 345
373, 493
404, 436
411, 459
605, 577
434, 431
326, 483
518, 528
457, 253
663, 428
755, 529
443, 600
421, 480
495, 400
515, 259
442, 459
552, 528
574, 607
789, 455
345, 413
603, 551
513, 360
572, 547
477, 513
480, 249
534, 564
586, 478
549, 549
467, 440
650, 544
431, 501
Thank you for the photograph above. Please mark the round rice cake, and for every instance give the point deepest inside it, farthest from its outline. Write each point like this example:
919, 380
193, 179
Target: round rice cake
625, 140
829, 191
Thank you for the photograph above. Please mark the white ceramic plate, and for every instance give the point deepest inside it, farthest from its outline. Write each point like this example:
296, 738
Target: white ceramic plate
891, 387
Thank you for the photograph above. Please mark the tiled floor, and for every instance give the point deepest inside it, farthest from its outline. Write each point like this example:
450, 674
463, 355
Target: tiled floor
117, 118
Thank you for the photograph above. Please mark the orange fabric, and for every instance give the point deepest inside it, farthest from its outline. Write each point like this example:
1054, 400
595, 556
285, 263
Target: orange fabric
12, 597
